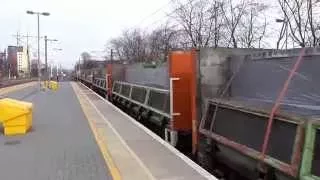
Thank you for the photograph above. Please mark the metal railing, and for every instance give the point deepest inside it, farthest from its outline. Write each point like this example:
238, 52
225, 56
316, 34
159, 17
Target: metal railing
152, 97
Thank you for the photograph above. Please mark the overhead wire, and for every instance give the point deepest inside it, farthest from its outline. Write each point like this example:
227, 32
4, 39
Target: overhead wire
168, 14
155, 12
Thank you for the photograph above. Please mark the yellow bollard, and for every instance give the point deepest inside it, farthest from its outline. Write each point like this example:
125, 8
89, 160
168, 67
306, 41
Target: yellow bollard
16, 116
54, 85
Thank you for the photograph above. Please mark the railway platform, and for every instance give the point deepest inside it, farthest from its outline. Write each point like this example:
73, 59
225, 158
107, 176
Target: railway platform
77, 134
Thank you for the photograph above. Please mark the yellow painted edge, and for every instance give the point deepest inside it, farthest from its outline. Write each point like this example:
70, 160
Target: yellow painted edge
115, 173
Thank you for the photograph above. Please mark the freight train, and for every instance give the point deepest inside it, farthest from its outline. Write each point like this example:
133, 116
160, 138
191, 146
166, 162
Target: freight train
217, 105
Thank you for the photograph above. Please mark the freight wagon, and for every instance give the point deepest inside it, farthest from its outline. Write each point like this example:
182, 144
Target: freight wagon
214, 105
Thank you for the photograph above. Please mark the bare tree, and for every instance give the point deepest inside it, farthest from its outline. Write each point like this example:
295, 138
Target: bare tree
161, 40
252, 26
116, 44
293, 11
131, 45
135, 45
299, 15
197, 21
233, 12
85, 56
201, 23
282, 34
216, 12
86, 60
314, 24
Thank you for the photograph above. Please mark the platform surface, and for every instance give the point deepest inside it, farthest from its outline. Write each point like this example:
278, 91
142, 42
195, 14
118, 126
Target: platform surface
77, 135
131, 143
60, 146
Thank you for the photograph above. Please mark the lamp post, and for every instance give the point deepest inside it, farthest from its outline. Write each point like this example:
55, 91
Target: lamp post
286, 24
51, 66
38, 22
46, 55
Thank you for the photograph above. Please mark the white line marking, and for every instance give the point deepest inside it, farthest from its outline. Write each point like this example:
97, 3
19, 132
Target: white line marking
192, 164
145, 169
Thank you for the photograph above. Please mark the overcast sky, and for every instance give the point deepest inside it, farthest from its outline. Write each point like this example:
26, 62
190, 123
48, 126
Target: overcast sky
79, 25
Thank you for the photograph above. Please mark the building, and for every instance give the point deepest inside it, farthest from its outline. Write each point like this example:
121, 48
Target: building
12, 61
23, 61
34, 68
18, 62
2, 64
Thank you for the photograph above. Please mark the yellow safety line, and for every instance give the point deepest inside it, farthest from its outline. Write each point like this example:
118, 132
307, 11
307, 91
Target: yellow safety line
115, 173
